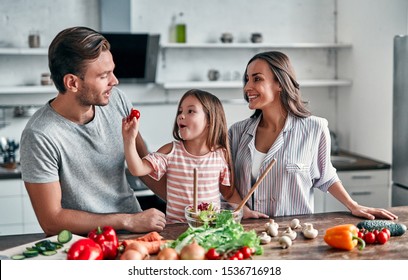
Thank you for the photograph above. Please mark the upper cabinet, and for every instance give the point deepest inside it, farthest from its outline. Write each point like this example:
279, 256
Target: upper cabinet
222, 58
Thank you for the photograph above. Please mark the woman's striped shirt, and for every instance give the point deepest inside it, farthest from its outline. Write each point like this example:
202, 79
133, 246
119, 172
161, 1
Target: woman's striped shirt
302, 153
179, 166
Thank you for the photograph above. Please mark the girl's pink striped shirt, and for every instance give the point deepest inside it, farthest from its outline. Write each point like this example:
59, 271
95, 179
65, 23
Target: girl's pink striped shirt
179, 166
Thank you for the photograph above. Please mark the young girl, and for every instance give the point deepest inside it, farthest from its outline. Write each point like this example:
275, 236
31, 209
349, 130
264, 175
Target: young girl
201, 134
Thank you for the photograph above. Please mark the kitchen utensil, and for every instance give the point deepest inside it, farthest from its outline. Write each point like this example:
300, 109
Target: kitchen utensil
195, 198
256, 185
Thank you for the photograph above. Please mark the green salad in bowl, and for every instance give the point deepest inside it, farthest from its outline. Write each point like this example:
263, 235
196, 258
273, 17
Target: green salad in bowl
209, 213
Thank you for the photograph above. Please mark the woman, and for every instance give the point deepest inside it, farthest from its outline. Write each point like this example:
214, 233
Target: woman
282, 128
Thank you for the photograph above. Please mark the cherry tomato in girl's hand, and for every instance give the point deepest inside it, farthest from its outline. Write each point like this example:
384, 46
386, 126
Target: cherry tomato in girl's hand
133, 114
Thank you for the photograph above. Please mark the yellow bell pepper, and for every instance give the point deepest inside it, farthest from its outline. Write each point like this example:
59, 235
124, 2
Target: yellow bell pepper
343, 237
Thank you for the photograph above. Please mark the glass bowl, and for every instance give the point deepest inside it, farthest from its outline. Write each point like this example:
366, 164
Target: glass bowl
199, 219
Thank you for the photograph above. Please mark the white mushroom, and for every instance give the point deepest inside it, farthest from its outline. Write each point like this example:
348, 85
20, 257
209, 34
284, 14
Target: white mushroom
309, 232
271, 223
265, 238
289, 232
285, 241
272, 228
295, 223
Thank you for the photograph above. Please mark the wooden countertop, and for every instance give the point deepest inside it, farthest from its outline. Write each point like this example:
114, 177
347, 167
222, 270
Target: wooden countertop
302, 249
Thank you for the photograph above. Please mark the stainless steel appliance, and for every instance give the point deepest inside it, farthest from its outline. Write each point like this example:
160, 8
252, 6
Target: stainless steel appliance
400, 123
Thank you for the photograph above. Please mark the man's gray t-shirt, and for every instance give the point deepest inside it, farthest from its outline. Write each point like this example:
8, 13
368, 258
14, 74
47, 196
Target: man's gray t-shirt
88, 160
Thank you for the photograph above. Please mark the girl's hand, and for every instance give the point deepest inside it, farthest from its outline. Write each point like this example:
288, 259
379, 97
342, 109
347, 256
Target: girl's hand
130, 128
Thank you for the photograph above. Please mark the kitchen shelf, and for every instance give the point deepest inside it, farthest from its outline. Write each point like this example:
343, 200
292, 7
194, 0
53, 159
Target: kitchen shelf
255, 45
239, 84
23, 51
27, 89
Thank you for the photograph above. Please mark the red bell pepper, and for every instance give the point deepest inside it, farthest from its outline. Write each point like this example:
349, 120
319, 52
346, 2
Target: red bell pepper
108, 240
85, 249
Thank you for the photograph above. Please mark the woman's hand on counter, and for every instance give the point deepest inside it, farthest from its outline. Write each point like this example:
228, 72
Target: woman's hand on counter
372, 213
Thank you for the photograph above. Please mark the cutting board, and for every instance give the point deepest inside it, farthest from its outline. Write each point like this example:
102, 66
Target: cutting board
60, 255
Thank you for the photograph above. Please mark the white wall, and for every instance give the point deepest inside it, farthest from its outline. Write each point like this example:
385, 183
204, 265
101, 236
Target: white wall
365, 112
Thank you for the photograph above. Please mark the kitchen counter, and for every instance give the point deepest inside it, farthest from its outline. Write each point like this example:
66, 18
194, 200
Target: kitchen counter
8, 173
302, 249
354, 162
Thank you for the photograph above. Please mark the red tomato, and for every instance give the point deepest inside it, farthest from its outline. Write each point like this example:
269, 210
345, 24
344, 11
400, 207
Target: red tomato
369, 237
382, 237
360, 234
212, 254
376, 231
387, 231
134, 114
238, 254
246, 252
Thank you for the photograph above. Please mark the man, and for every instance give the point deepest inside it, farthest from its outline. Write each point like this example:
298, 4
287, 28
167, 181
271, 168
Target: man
72, 157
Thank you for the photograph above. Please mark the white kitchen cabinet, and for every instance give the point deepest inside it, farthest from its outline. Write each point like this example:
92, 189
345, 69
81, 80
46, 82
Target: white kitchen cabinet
368, 187
237, 84
29, 89
16, 213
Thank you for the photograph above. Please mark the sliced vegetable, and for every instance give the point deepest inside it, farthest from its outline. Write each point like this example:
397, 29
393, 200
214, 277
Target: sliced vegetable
396, 229
64, 236
49, 253
29, 253
18, 257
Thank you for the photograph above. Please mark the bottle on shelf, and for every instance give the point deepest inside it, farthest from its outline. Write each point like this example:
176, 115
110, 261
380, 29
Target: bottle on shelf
172, 29
181, 29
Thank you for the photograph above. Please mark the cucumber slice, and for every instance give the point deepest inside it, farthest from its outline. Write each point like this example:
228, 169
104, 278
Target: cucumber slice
49, 253
18, 257
64, 236
30, 253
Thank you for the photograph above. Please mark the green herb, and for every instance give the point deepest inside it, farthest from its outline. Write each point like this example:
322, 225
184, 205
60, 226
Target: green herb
226, 235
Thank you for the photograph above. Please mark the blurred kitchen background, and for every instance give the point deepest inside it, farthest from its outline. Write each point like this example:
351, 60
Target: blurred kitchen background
342, 51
